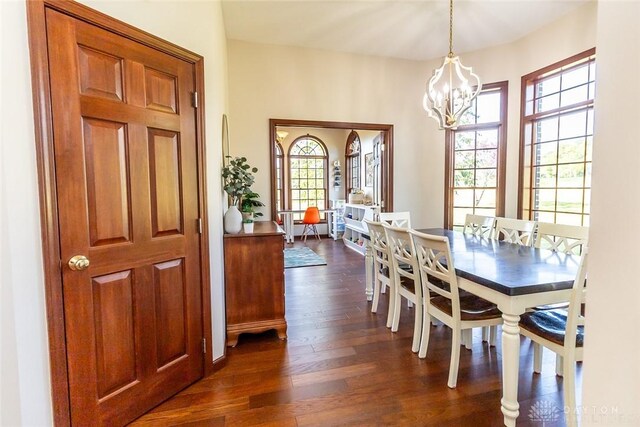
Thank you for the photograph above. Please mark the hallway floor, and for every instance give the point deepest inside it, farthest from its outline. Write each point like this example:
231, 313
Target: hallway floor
341, 366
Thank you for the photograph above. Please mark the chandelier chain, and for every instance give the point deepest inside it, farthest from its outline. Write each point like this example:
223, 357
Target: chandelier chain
451, 28
452, 87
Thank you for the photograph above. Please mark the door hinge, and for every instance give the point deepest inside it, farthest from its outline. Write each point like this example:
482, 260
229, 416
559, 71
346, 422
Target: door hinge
199, 225
382, 203
194, 99
204, 345
382, 147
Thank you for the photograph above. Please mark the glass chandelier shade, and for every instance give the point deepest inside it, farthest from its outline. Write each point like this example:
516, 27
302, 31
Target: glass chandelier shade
452, 88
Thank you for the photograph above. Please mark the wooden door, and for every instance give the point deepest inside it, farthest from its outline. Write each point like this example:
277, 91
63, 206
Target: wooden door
126, 179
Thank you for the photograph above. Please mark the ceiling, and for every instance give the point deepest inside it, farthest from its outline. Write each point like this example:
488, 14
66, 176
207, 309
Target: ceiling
415, 30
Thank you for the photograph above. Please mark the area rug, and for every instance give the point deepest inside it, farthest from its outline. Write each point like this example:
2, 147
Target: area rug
302, 257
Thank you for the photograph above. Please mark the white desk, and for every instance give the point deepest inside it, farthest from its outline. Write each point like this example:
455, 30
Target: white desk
288, 223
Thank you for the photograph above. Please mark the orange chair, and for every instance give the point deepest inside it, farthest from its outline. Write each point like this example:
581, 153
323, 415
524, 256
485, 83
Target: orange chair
311, 218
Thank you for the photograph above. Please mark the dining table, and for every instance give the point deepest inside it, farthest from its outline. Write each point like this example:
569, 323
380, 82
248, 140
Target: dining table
515, 278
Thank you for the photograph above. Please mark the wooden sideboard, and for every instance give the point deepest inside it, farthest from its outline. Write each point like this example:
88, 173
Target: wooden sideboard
254, 281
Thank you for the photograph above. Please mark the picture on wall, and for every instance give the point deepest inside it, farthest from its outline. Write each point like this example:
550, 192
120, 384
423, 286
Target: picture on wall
368, 170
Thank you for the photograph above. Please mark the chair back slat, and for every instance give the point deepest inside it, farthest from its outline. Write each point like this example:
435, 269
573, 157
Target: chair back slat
516, 231
435, 262
479, 225
569, 239
403, 256
379, 242
396, 219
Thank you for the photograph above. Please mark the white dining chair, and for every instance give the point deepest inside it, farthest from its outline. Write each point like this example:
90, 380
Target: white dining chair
396, 219
406, 278
442, 300
518, 231
479, 225
569, 239
561, 331
383, 277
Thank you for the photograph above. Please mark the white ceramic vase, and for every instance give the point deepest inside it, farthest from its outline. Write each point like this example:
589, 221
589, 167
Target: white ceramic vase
232, 220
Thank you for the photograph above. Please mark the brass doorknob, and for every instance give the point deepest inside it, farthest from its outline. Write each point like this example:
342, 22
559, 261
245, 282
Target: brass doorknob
78, 263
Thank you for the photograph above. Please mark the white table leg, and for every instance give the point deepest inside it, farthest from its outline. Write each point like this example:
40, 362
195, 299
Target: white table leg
368, 270
330, 230
510, 368
292, 228
289, 231
285, 224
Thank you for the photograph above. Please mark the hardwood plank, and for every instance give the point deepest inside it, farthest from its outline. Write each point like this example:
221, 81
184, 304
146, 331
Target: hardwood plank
297, 393
332, 374
341, 365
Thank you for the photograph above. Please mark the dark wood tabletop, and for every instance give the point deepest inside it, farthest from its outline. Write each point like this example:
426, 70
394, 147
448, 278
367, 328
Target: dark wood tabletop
508, 268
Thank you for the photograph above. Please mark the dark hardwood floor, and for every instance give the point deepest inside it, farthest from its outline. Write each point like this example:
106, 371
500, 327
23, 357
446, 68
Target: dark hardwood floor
341, 366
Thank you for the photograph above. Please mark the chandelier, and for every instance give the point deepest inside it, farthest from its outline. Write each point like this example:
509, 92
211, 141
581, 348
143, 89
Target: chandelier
452, 88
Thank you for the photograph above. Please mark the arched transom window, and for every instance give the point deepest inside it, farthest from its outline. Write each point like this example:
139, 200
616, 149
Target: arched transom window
308, 174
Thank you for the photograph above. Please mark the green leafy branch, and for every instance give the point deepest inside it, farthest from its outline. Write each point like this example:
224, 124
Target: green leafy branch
238, 178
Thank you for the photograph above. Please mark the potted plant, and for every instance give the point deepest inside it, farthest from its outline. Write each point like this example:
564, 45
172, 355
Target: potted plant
249, 204
247, 223
237, 179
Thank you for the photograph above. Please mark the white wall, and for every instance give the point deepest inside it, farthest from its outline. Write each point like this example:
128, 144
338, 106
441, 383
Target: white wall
294, 83
611, 373
24, 380
268, 81
24, 375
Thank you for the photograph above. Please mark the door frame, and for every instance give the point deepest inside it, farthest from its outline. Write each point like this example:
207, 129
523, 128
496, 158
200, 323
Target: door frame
387, 167
50, 232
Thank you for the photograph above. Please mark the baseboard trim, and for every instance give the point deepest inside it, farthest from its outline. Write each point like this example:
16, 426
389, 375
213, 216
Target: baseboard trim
216, 365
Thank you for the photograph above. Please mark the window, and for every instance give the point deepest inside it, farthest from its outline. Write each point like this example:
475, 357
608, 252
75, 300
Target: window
556, 141
475, 158
279, 177
352, 155
307, 174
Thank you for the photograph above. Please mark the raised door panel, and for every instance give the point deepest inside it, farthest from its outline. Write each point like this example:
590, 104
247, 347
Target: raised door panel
165, 182
100, 74
106, 163
113, 306
171, 328
160, 91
